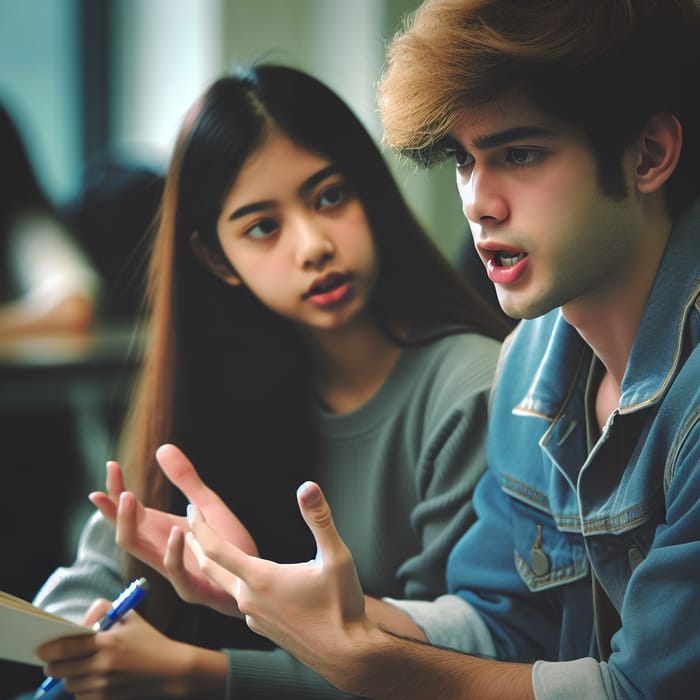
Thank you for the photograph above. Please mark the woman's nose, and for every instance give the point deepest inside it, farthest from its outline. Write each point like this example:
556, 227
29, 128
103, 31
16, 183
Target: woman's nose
314, 247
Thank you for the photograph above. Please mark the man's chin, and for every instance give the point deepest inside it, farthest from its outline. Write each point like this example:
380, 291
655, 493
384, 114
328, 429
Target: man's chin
522, 309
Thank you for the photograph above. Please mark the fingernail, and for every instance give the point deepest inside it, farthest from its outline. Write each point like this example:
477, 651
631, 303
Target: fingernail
190, 513
308, 494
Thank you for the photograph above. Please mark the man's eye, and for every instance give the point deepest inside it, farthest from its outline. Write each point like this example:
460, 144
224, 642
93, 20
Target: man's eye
262, 229
462, 158
525, 156
332, 196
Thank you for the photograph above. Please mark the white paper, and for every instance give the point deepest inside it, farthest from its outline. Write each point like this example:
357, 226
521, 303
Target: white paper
24, 627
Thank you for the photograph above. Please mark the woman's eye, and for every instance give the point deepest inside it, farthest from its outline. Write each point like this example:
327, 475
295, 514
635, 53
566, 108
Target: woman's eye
525, 156
332, 196
262, 229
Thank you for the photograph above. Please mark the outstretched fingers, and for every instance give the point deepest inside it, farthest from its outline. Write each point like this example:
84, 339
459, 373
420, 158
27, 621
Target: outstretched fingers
127, 527
194, 588
294, 605
218, 559
108, 502
174, 559
215, 572
332, 554
182, 474
105, 504
131, 536
317, 515
115, 479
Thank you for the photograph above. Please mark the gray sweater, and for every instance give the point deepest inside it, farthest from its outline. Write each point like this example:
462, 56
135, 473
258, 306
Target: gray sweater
398, 472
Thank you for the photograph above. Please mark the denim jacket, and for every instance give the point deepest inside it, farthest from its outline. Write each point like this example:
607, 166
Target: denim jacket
551, 511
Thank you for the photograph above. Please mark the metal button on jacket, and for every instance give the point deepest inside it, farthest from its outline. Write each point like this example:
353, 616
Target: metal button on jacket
539, 561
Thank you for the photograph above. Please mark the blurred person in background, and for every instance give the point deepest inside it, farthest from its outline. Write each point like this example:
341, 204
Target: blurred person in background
46, 281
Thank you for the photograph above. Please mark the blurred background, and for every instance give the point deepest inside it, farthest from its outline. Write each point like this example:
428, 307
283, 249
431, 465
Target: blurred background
97, 90
88, 79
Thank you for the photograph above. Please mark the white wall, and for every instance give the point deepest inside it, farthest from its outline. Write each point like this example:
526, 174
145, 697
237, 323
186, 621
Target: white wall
340, 42
163, 54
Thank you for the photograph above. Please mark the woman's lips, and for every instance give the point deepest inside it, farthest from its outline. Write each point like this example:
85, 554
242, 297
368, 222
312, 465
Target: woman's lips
329, 290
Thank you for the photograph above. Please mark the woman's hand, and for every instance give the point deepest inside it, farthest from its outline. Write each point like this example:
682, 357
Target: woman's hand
157, 538
314, 610
132, 660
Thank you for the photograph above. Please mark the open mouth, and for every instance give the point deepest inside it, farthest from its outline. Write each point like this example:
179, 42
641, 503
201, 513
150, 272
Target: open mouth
505, 266
327, 284
506, 259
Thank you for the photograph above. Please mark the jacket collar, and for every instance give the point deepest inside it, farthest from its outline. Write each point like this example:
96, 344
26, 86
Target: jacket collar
658, 346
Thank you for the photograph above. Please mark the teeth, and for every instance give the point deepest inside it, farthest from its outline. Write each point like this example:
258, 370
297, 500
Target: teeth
510, 260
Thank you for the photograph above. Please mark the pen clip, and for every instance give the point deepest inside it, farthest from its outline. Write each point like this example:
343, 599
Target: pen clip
128, 599
128, 592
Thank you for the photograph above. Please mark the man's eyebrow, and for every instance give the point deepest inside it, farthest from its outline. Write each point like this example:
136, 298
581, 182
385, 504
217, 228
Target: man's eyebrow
305, 187
517, 133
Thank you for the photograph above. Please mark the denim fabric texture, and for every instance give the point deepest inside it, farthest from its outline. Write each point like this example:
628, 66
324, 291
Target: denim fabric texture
551, 510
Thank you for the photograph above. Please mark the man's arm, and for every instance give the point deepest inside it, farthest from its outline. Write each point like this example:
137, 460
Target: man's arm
317, 611
393, 667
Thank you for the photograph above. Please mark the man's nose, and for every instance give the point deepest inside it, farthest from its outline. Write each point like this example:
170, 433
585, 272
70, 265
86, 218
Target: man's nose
483, 198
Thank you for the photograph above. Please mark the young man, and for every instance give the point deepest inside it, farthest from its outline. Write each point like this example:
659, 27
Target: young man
576, 139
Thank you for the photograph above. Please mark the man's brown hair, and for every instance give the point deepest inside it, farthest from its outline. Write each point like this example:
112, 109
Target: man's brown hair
603, 65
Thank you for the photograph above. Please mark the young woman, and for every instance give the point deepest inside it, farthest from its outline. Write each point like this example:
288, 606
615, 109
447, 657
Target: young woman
302, 326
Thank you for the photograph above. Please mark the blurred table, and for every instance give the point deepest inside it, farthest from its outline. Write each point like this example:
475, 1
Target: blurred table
49, 367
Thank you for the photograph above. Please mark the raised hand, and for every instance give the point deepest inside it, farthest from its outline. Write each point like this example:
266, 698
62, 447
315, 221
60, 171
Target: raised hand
312, 609
142, 531
156, 537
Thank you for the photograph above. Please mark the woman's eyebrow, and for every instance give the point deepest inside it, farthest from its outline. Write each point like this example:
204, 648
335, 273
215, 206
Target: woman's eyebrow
305, 187
321, 175
251, 209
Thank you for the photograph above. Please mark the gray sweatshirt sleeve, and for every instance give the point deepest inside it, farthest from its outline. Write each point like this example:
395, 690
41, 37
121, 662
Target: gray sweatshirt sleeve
451, 463
285, 678
96, 573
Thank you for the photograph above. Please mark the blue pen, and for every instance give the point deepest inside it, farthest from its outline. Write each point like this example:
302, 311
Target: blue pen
130, 597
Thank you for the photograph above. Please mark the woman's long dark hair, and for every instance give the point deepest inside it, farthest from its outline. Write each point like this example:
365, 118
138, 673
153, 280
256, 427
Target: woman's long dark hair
225, 378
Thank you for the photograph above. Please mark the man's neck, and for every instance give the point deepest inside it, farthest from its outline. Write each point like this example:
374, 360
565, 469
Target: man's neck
608, 319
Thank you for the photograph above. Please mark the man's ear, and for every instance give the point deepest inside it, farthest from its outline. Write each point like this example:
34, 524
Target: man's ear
213, 260
659, 148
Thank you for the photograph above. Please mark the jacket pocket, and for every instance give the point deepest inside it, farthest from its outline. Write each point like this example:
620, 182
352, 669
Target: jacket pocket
544, 556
